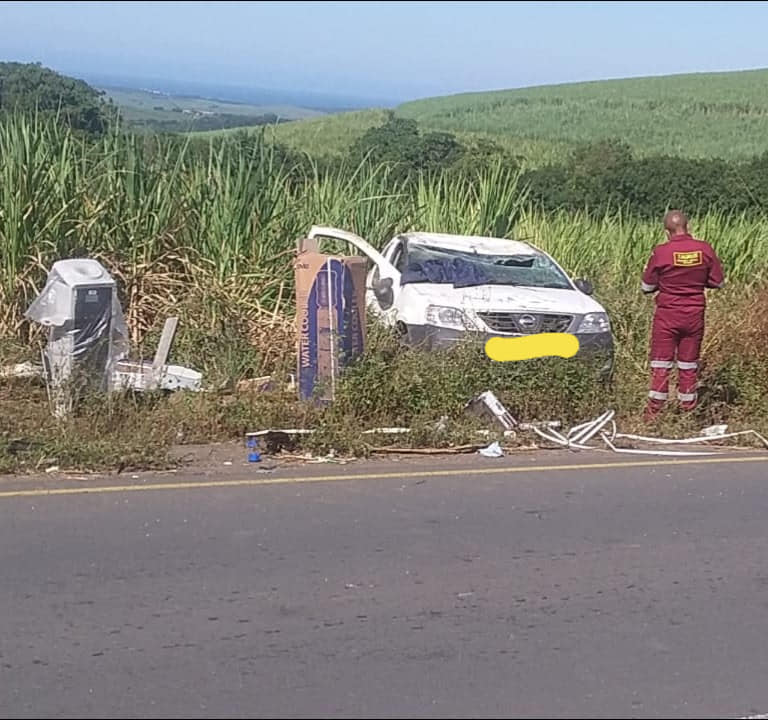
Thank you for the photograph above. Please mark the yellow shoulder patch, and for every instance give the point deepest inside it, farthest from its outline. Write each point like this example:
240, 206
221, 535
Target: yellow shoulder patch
687, 259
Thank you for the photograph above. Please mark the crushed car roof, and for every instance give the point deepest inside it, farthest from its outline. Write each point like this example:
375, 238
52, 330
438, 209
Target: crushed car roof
471, 243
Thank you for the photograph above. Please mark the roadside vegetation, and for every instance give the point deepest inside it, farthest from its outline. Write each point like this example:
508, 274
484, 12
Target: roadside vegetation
205, 229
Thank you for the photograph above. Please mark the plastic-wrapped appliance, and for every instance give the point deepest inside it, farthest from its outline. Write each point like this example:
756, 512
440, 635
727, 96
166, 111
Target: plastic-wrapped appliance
87, 331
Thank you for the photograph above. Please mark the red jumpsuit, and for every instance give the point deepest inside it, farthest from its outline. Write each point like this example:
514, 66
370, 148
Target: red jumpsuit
680, 270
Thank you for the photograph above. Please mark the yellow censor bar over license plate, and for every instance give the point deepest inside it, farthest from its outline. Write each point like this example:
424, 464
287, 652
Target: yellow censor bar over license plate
508, 349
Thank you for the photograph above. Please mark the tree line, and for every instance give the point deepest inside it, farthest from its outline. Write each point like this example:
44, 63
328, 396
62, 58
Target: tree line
596, 176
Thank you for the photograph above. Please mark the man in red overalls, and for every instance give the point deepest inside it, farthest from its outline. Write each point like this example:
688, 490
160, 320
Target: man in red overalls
680, 270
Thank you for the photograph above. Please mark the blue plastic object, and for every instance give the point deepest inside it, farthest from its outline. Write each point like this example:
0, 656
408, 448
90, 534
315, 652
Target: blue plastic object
254, 455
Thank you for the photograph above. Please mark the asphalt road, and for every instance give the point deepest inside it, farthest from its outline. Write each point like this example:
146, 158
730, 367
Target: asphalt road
390, 590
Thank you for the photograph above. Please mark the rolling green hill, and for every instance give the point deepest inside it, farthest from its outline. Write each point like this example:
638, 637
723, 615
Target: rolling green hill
701, 115
329, 135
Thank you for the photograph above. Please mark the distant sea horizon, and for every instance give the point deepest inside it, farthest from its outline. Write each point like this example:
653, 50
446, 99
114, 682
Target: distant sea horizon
237, 93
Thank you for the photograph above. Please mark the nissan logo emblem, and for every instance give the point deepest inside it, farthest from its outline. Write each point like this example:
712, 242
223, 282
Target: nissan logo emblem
527, 322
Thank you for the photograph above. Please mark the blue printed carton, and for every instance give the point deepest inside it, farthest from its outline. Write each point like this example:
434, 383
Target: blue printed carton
330, 318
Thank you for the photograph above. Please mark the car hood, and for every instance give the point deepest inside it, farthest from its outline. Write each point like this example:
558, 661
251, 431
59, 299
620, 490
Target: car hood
505, 298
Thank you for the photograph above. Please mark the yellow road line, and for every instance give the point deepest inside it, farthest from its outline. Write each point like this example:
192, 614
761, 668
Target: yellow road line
402, 475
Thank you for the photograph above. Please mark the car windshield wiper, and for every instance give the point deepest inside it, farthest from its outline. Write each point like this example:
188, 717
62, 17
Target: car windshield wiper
477, 283
546, 286
513, 262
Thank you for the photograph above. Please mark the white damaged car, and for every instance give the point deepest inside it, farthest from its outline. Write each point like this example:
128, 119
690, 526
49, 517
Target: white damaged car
435, 289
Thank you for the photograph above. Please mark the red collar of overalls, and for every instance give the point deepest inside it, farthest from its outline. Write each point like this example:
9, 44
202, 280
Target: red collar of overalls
681, 236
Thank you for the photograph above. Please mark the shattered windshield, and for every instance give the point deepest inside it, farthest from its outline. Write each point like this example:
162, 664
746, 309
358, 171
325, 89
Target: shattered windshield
466, 269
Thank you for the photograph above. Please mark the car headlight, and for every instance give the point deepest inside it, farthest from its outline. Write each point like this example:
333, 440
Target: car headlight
594, 323
447, 317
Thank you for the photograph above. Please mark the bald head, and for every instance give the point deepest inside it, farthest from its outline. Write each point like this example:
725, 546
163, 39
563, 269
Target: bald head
675, 222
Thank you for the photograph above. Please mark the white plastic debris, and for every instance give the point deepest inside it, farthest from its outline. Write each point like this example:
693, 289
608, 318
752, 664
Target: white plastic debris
387, 431
488, 433
138, 377
714, 430
21, 370
691, 440
493, 450
488, 404
668, 453
442, 424
578, 436
549, 424
329, 458
291, 431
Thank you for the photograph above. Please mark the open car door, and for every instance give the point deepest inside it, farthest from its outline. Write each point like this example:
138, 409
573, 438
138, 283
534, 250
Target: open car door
383, 281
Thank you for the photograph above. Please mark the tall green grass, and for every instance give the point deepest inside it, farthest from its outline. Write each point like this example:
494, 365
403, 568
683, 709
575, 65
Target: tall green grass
614, 249
210, 232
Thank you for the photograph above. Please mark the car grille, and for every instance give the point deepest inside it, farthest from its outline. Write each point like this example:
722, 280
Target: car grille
525, 323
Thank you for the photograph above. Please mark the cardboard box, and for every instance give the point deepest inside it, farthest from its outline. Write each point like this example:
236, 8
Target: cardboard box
330, 318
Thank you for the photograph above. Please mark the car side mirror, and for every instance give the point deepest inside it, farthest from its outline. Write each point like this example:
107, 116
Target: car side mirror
382, 289
584, 285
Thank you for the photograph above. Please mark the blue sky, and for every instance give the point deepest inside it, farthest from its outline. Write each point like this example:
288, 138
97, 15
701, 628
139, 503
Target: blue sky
395, 50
